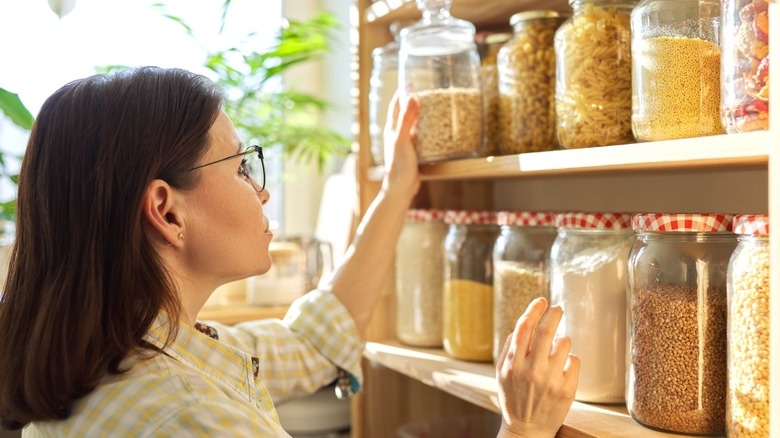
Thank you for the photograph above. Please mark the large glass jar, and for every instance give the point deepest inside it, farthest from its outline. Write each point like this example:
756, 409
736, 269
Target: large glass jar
439, 66
419, 273
468, 284
677, 322
520, 268
676, 85
488, 45
383, 83
593, 74
588, 280
526, 84
747, 405
745, 63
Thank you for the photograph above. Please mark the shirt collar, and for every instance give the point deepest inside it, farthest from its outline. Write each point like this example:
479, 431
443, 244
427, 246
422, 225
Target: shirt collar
208, 355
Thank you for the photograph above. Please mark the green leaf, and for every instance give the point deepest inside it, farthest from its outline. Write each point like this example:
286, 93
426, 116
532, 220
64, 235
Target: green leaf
13, 107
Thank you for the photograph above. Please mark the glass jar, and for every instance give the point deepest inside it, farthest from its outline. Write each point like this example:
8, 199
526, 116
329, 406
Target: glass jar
588, 280
419, 274
526, 83
439, 66
593, 74
468, 284
677, 322
382, 86
745, 69
520, 268
488, 45
676, 85
747, 405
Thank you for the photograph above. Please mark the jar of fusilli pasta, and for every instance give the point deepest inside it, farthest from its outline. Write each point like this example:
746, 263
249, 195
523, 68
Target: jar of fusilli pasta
593, 74
676, 69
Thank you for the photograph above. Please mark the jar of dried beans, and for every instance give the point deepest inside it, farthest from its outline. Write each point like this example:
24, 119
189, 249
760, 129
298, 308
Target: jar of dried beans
526, 83
745, 58
593, 74
677, 321
747, 405
588, 280
438, 64
520, 268
419, 265
676, 86
468, 284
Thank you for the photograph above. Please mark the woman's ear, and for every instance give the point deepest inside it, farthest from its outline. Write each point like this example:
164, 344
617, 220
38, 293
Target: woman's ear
161, 212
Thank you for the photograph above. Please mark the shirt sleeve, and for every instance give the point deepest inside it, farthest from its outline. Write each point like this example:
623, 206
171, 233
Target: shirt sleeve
302, 352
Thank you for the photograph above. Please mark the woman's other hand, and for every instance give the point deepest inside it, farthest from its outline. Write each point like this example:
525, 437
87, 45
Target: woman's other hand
537, 376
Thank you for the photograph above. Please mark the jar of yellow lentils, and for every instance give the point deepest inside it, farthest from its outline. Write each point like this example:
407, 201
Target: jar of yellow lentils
676, 58
468, 284
747, 405
593, 74
745, 58
526, 83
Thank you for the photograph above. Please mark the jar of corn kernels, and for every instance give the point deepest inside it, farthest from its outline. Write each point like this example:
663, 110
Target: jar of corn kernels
747, 405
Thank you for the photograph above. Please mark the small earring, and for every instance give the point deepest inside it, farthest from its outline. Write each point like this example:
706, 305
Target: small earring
180, 236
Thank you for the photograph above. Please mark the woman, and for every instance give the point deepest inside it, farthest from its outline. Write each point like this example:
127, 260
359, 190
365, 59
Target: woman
136, 200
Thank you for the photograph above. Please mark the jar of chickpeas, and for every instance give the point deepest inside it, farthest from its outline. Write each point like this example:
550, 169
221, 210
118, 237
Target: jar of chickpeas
526, 83
468, 284
593, 75
676, 86
747, 405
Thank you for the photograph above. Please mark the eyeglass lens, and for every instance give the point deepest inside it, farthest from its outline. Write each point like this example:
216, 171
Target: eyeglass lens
256, 167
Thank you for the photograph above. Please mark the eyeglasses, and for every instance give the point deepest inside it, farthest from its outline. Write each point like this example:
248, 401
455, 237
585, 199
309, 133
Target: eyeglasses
250, 169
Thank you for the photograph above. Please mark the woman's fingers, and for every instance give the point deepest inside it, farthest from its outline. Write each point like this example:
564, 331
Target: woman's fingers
527, 324
545, 333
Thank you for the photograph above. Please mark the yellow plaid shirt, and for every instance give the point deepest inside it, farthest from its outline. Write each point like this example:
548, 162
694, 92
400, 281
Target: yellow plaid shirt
204, 387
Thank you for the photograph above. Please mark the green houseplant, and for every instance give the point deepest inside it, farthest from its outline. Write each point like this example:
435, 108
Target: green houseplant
13, 108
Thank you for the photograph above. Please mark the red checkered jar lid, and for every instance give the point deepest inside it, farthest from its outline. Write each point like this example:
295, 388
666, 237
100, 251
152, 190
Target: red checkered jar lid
701, 223
600, 221
424, 215
470, 217
752, 224
526, 218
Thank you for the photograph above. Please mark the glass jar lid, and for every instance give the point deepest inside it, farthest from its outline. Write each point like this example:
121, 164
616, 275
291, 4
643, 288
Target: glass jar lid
525, 218
424, 215
682, 222
438, 33
469, 217
602, 221
752, 224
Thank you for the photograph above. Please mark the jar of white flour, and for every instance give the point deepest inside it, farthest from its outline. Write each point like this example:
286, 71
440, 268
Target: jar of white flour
588, 264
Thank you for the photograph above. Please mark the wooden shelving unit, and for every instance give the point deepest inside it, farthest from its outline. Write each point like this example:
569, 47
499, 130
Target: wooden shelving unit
715, 173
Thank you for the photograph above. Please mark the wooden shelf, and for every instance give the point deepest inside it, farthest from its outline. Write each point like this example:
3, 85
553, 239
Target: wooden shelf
240, 313
476, 383
479, 12
742, 150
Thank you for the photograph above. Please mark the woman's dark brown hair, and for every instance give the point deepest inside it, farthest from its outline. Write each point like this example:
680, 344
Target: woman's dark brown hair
85, 282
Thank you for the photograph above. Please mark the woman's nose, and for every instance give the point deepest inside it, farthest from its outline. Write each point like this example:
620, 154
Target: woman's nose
264, 196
